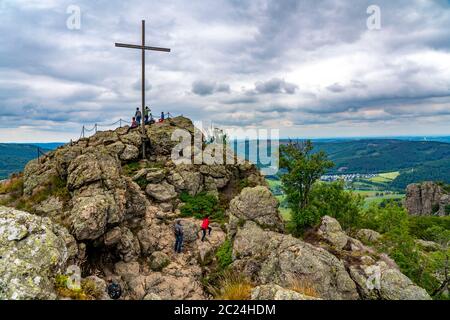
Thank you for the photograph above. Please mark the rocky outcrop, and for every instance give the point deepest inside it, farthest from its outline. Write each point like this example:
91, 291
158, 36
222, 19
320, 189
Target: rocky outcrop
427, 198
275, 292
375, 275
274, 258
32, 251
102, 208
258, 205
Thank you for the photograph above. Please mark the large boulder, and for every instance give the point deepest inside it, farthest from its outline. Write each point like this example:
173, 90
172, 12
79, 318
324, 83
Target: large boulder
273, 258
368, 235
380, 281
426, 198
161, 192
330, 230
259, 205
33, 251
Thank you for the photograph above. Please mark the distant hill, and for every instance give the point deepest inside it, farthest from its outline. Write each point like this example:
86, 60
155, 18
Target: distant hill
14, 156
383, 155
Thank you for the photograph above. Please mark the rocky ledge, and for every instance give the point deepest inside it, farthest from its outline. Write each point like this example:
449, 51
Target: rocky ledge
94, 204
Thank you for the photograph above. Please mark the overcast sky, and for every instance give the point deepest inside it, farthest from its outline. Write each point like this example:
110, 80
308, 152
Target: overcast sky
310, 68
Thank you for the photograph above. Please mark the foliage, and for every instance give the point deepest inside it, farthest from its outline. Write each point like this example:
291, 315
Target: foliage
131, 168
232, 286
224, 254
303, 168
400, 232
430, 228
333, 200
87, 291
447, 209
200, 206
428, 171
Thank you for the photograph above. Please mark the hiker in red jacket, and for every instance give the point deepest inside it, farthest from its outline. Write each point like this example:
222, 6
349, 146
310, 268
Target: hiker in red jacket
205, 226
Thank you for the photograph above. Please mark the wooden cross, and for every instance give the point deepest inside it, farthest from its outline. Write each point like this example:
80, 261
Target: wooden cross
143, 47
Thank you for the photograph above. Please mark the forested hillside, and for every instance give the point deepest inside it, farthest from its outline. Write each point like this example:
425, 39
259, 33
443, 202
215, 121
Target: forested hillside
13, 157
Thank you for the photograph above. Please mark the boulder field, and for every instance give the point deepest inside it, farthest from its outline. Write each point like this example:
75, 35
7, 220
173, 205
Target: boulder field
96, 205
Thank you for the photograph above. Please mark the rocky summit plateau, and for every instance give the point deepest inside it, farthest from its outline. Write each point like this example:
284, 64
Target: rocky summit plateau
97, 206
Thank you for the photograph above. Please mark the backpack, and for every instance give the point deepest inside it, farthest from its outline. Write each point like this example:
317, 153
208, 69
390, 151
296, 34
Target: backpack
177, 230
114, 291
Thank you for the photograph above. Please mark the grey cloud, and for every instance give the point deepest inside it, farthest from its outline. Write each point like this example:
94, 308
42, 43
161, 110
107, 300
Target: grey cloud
276, 86
205, 88
336, 87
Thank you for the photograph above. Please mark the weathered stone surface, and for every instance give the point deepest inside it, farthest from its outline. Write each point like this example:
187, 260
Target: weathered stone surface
38, 174
368, 235
380, 281
90, 215
155, 175
133, 137
161, 191
32, 250
426, 198
129, 153
275, 292
274, 258
330, 230
158, 260
258, 205
52, 206
113, 236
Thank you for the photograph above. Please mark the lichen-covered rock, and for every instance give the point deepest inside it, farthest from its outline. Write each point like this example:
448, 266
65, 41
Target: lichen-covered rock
162, 191
51, 206
32, 250
273, 258
275, 292
158, 260
368, 235
129, 153
330, 230
155, 175
259, 205
90, 215
380, 281
426, 198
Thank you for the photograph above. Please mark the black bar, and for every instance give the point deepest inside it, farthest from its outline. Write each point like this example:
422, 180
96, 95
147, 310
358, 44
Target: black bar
134, 46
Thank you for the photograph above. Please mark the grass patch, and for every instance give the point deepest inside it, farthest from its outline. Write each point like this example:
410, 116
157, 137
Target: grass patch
304, 287
232, 286
131, 168
224, 254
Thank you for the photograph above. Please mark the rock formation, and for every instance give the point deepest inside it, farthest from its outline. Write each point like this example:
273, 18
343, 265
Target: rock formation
97, 205
427, 198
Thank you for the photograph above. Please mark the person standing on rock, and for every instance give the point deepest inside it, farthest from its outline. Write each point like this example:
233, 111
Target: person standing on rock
146, 114
138, 116
178, 236
206, 227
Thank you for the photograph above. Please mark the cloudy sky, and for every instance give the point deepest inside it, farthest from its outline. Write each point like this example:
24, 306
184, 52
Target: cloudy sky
310, 68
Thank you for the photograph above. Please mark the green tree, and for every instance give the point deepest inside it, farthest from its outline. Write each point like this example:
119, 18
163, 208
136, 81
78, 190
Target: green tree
333, 200
303, 168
